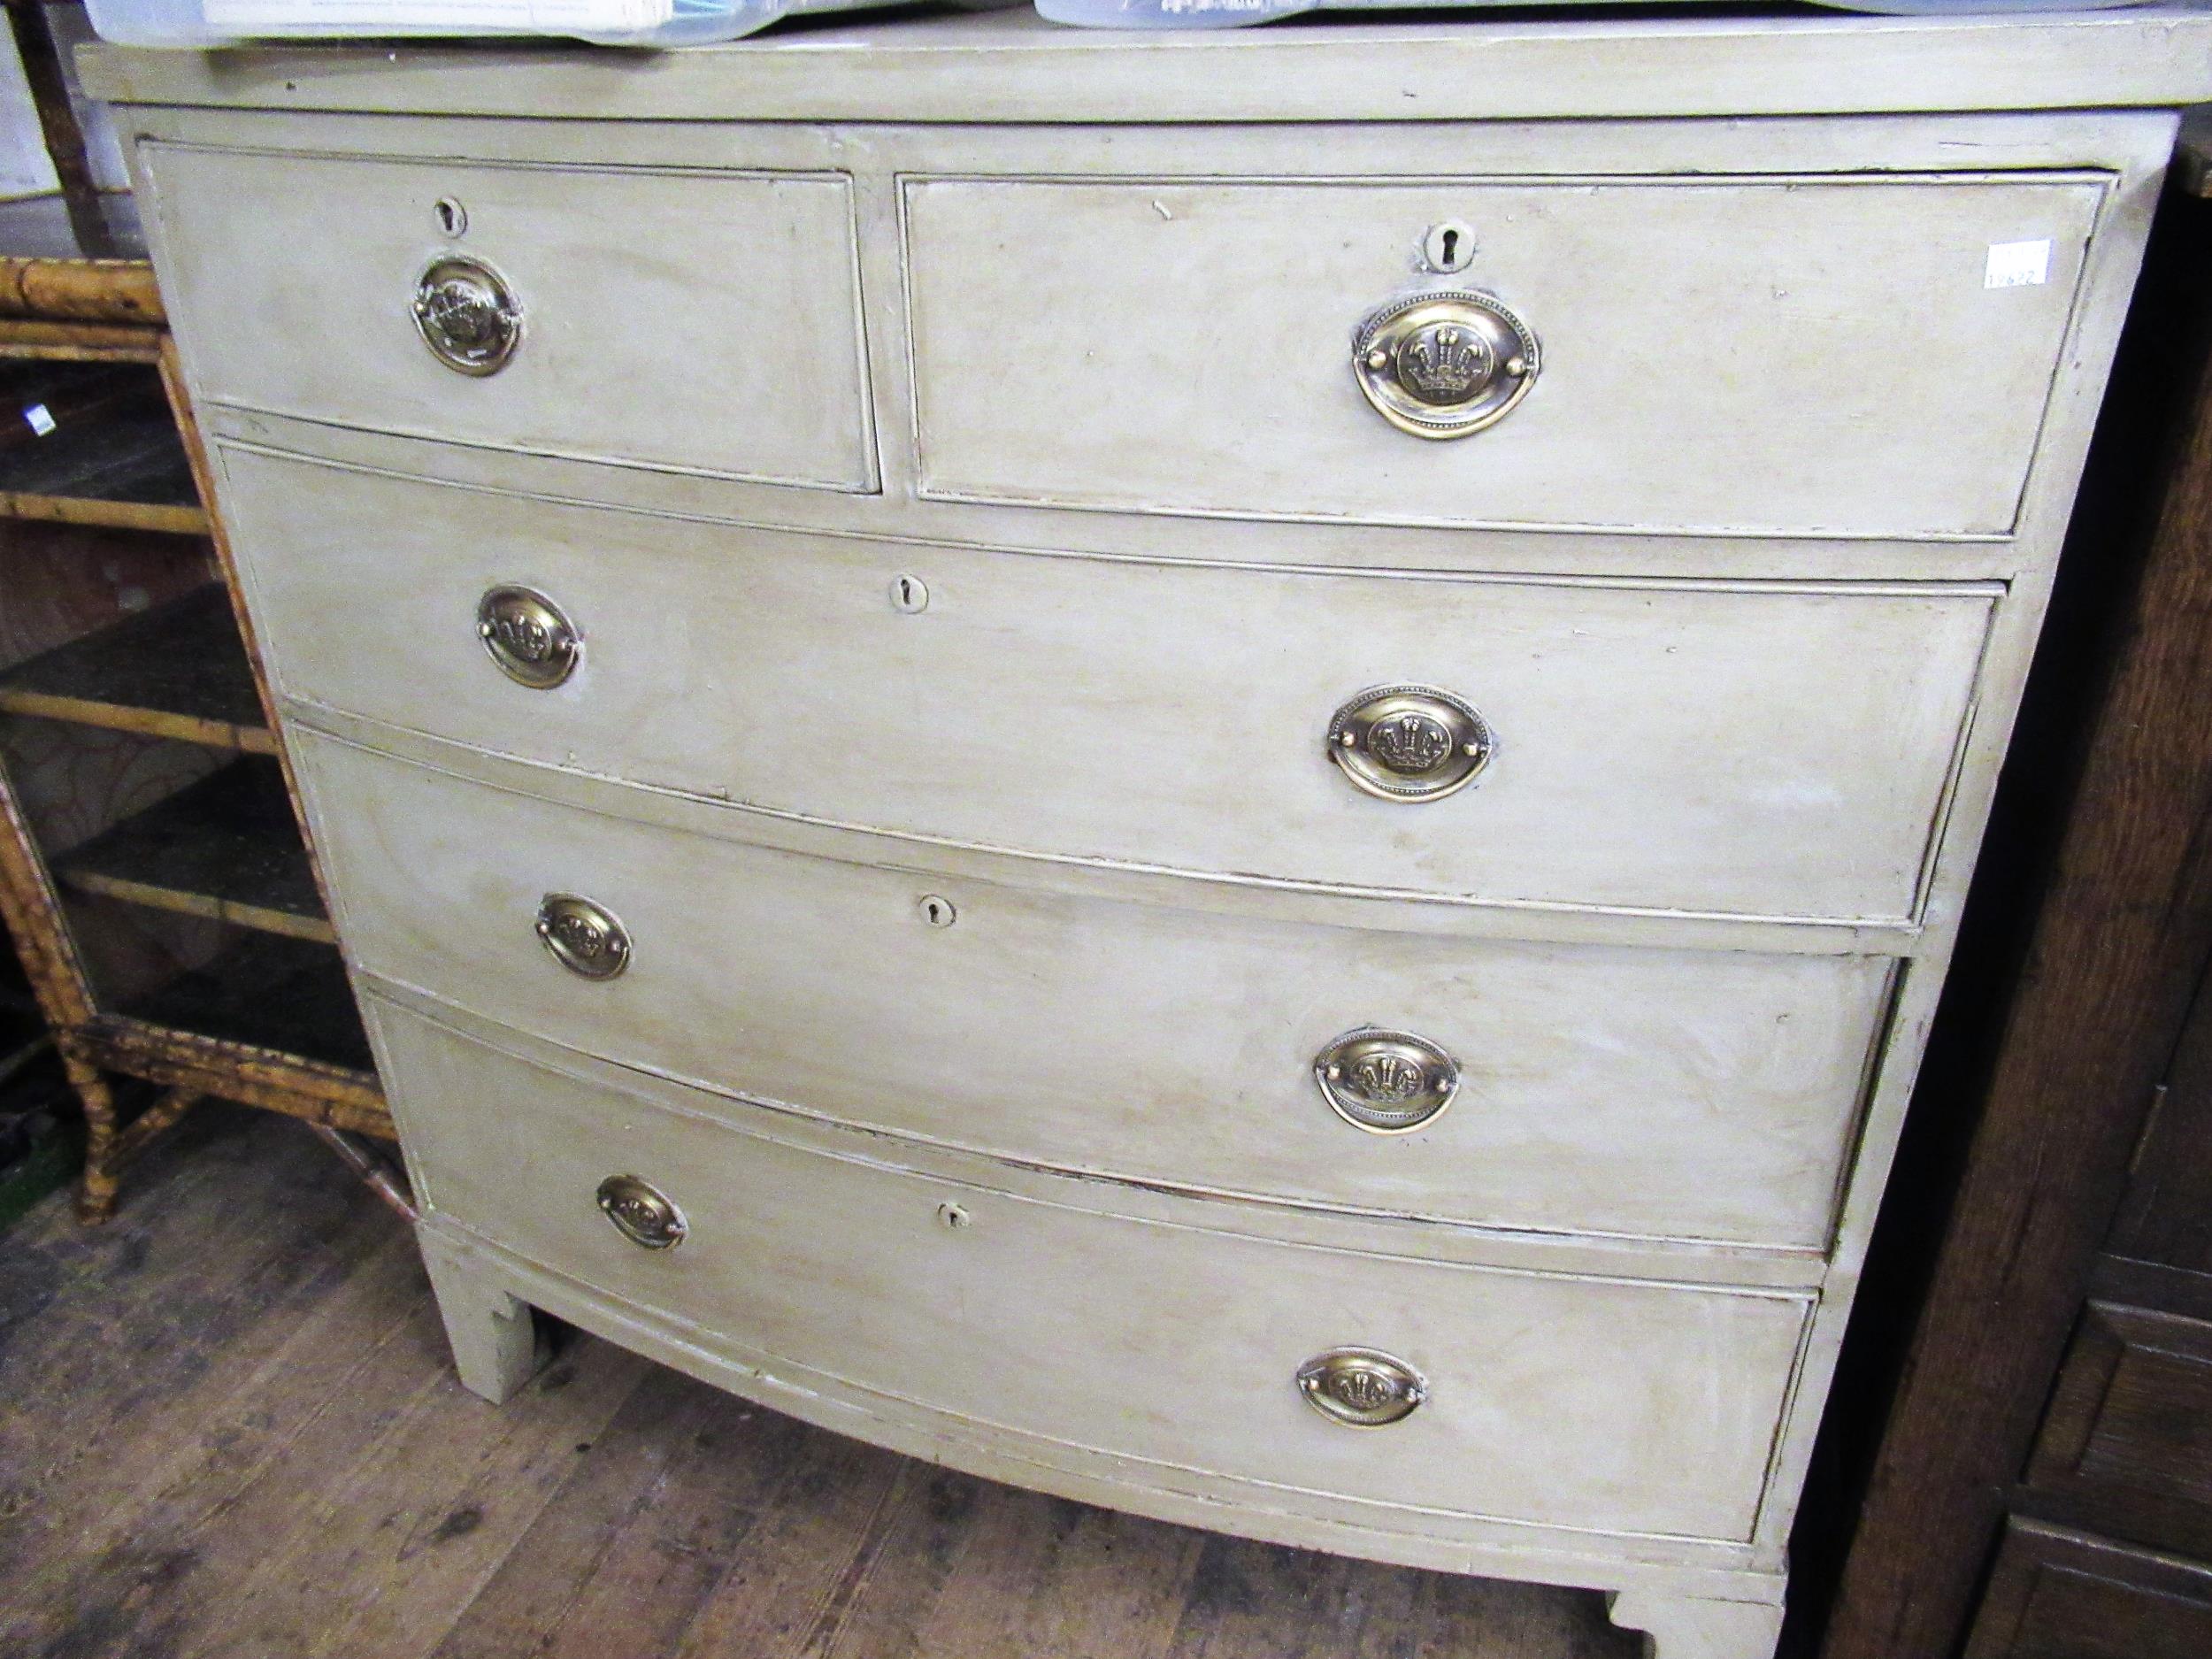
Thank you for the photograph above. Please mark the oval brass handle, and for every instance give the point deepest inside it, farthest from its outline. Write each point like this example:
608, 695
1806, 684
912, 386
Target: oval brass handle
1409, 742
585, 938
1385, 1082
468, 315
1360, 1387
1442, 364
529, 637
641, 1212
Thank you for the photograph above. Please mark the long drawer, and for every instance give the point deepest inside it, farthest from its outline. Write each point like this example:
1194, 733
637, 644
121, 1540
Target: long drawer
1640, 1092
1599, 1404
638, 315
1762, 749
1862, 354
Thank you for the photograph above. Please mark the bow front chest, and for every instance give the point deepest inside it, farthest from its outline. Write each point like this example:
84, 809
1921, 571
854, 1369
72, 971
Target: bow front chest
1226, 772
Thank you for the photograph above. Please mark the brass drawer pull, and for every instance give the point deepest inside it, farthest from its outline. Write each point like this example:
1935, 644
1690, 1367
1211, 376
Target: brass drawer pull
1385, 1082
584, 937
468, 315
1409, 742
641, 1212
529, 636
1360, 1387
1444, 365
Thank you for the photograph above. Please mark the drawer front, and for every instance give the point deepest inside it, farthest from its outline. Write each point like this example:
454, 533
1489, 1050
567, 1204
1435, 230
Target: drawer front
705, 321
1653, 1092
1588, 1403
2060, 1594
1863, 356
1720, 749
2127, 1442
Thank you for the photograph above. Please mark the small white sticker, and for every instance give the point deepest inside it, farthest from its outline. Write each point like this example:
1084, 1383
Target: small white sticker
2018, 264
41, 418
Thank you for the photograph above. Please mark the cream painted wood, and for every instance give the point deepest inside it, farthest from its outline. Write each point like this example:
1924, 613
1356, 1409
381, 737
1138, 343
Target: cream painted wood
1224, 893
2135, 144
1309, 1225
1523, 106
1651, 1094
701, 320
1737, 750
1013, 67
1698, 1627
496, 1340
1180, 1356
1831, 342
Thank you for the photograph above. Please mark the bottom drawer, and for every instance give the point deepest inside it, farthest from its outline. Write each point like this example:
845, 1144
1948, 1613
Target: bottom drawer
1054, 1331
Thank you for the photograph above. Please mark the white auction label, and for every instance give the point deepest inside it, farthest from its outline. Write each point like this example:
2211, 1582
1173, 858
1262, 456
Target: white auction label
2018, 264
41, 418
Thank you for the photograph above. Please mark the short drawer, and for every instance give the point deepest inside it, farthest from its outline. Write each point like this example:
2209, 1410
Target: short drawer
1600, 1404
1865, 356
1708, 1095
707, 321
1729, 748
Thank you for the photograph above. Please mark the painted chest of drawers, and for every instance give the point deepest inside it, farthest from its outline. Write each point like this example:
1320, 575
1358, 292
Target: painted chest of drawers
1229, 774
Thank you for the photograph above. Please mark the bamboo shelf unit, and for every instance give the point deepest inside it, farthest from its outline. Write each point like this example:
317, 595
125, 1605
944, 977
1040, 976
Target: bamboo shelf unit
232, 986
178, 671
124, 468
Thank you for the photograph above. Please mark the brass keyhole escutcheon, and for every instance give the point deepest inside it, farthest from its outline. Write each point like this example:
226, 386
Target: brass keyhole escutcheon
1360, 1387
583, 937
1409, 742
1385, 1082
529, 636
466, 314
642, 1213
1445, 363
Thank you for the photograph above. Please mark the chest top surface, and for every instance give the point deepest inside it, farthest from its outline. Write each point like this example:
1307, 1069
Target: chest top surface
1011, 67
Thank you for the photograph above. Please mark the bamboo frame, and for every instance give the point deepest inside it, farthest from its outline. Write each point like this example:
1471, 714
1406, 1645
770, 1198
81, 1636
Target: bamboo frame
94, 1042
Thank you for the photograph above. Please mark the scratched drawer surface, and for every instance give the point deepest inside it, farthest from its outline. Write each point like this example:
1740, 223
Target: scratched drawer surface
1863, 355
638, 315
1062, 1333
1762, 750
1664, 1093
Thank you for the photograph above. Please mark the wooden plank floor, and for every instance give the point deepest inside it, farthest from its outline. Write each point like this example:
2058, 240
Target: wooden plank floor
228, 1427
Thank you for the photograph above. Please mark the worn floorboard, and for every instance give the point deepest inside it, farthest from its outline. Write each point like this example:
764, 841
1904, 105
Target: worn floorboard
228, 1427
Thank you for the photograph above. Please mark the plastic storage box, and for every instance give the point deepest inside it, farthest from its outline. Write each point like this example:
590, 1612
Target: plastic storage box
612, 22
1225, 14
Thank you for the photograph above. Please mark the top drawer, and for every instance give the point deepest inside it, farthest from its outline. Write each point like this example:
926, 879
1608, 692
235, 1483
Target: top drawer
1863, 356
660, 312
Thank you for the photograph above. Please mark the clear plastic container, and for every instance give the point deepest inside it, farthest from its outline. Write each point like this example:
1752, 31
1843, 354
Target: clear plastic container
610, 22
1228, 14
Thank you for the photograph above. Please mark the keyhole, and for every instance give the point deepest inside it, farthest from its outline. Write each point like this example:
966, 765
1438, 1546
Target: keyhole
909, 593
938, 912
1449, 246
452, 218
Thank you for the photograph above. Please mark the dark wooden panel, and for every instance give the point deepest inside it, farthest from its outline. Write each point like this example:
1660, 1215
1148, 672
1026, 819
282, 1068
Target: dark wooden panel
2135, 1283
2056, 1594
177, 671
226, 848
2126, 1446
2122, 931
2167, 1215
